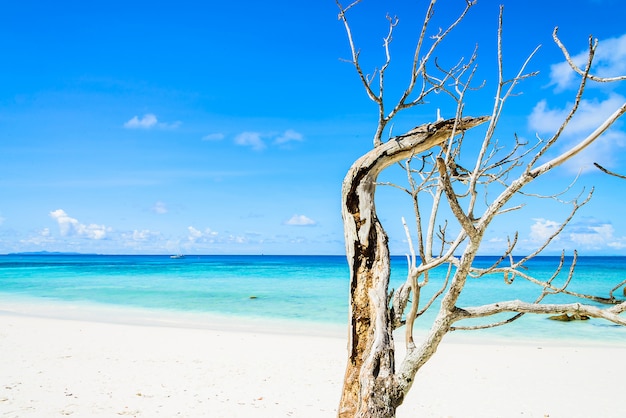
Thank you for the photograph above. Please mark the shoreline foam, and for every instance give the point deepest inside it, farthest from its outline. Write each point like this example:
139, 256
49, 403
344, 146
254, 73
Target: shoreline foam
128, 315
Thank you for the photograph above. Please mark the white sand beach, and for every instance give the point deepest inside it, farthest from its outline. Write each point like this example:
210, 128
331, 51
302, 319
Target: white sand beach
57, 367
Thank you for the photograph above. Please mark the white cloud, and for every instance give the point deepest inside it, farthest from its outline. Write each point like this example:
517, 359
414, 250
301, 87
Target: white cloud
149, 121
300, 220
72, 227
542, 229
250, 139
288, 136
237, 239
586, 234
563, 76
618, 244
196, 235
143, 235
43, 237
2, 220
160, 208
591, 114
592, 235
545, 120
609, 61
213, 137
257, 140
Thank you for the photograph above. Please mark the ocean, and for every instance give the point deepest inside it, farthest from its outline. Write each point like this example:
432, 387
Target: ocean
308, 291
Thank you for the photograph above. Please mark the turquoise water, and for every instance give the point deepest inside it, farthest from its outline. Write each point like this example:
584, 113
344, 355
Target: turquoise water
311, 289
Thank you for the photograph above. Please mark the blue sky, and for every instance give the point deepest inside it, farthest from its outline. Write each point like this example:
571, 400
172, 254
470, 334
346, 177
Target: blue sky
222, 127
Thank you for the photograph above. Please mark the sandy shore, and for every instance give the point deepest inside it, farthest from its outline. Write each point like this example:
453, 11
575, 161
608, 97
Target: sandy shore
55, 367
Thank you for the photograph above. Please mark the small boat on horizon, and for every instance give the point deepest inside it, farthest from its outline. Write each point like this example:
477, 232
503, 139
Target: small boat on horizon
177, 256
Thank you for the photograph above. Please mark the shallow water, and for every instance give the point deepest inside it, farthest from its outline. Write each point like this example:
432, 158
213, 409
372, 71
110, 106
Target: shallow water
298, 289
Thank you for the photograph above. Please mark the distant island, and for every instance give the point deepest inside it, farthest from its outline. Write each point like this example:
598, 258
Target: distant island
48, 253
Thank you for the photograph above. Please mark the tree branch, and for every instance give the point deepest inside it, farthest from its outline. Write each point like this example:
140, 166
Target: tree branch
611, 314
609, 172
592, 46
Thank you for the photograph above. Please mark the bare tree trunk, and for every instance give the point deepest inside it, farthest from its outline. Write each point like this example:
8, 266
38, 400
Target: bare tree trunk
370, 389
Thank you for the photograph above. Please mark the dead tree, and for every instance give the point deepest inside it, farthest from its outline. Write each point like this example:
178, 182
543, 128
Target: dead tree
609, 172
375, 383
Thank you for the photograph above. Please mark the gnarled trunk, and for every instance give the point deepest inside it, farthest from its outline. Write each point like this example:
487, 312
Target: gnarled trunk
370, 389
371, 353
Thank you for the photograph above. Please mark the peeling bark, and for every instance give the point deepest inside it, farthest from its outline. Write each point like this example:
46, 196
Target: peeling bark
369, 386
